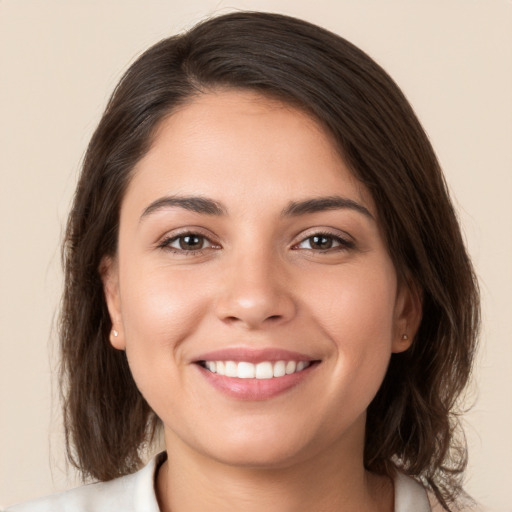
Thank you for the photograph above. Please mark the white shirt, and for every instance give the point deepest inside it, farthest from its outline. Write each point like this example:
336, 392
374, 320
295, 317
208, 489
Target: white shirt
136, 493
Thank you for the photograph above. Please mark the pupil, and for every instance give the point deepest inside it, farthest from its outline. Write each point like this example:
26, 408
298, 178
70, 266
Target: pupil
322, 242
190, 242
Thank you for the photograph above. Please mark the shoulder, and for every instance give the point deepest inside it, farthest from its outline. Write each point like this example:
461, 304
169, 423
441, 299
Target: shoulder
131, 493
466, 504
410, 495
97, 497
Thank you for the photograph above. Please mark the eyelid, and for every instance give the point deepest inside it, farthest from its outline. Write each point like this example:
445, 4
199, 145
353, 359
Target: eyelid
165, 240
346, 241
207, 242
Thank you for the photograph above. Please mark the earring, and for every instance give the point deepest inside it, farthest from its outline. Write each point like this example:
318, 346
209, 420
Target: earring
115, 333
405, 337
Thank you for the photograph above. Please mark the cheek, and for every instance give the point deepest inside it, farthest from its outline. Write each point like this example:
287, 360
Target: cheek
356, 312
356, 302
160, 309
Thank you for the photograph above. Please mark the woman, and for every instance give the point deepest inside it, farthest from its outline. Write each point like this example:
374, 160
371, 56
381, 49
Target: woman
263, 261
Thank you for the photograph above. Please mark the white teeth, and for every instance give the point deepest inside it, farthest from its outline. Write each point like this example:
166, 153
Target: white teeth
231, 369
291, 366
300, 366
246, 370
263, 370
279, 369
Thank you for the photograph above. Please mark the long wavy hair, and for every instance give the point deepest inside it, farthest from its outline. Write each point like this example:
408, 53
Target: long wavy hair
412, 422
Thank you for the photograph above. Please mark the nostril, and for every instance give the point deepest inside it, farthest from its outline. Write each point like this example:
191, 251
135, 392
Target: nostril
235, 319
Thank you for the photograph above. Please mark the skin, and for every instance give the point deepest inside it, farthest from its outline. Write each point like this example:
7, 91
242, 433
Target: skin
257, 281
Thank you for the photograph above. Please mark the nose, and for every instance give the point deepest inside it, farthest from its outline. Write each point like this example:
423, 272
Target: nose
255, 293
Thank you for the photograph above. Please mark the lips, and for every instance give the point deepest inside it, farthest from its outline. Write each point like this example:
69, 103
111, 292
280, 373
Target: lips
250, 374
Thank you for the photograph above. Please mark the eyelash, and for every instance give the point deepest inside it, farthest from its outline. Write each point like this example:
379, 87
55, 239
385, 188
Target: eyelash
166, 243
342, 243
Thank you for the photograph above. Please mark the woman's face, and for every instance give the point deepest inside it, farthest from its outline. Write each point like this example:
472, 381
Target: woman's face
252, 290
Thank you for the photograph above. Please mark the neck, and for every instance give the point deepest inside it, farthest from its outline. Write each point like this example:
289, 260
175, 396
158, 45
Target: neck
328, 482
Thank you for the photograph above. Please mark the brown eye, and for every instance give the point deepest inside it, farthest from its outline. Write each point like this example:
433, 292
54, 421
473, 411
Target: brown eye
321, 242
324, 242
191, 242
188, 242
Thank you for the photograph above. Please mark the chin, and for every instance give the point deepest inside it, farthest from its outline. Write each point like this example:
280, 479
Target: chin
260, 457
262, 447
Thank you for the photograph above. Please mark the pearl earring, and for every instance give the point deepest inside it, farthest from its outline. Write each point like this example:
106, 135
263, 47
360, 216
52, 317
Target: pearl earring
115, 333
405, 337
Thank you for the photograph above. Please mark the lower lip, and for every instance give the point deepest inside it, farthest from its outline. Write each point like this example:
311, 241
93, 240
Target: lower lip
256, 389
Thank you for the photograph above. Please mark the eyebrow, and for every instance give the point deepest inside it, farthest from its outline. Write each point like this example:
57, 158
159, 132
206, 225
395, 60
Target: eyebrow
206, 206
321, 204
198, 204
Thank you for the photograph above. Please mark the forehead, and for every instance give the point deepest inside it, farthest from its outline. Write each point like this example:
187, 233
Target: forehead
242, 141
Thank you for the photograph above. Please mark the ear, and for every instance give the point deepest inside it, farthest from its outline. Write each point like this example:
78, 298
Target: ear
408, 313
109, 273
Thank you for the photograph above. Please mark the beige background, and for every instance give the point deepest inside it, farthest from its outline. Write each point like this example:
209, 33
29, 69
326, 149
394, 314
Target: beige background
59, 61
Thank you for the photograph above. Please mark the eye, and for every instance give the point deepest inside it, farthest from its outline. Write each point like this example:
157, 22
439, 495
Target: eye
188, 242
324, 242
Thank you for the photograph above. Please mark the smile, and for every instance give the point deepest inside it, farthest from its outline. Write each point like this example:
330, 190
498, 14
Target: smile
261, 370
248, 373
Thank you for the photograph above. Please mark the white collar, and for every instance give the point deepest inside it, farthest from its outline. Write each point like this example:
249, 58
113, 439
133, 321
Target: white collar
136, 493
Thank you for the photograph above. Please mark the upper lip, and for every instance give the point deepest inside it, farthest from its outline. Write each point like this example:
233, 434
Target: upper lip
252, 355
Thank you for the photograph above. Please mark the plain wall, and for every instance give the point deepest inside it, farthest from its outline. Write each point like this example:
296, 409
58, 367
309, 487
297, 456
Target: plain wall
59, 61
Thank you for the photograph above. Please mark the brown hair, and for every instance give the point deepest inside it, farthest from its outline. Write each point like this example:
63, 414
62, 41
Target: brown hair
412, 422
